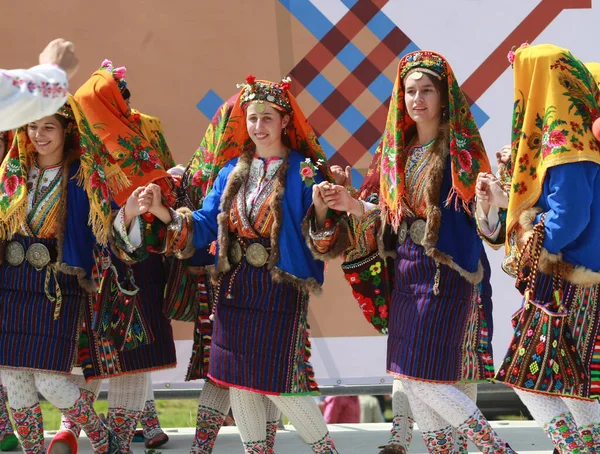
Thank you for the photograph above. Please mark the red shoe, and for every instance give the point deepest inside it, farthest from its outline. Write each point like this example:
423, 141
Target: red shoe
66, 442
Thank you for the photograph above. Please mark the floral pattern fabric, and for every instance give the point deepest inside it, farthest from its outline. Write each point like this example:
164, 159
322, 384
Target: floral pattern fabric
556, 101
468, 156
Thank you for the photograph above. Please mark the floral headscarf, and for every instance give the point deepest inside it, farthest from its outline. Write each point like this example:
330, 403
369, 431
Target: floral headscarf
227, 136
119, 128
468, 156
98, 174
556, 102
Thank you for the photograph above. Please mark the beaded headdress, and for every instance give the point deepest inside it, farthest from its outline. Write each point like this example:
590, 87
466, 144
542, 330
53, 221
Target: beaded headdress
263, 91
66, 111
423, 62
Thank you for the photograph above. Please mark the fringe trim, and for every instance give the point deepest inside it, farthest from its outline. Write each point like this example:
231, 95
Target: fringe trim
554, 263
189, 249
100, 223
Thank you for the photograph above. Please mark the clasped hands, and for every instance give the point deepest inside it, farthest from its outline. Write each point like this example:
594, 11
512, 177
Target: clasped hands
146, 199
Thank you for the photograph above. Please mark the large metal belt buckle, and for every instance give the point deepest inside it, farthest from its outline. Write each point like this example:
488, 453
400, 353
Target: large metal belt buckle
257, 255
417, 231
14, 253
235, 252
402, 233
38, 255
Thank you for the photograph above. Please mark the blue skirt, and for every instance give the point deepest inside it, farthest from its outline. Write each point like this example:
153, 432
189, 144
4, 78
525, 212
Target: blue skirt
443, 337
30, 337
260, 334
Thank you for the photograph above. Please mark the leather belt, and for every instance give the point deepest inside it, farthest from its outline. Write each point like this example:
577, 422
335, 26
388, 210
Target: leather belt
416, 231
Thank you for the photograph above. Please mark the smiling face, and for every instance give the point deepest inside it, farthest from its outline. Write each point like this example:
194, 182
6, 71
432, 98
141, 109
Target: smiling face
48, 138
265, 125
422, 98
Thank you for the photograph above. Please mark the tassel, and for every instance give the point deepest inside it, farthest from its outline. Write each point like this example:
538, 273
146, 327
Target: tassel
213, 248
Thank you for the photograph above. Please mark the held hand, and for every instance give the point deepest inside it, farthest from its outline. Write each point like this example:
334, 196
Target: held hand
318, 201
342, 177
489, 191
157, 208
61, 53
137, 204
338, 198
503, 157
153, 192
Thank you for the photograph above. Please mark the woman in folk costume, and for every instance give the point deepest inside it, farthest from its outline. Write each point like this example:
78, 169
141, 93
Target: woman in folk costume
261, 177
54, 185
439, 322
142, 159
8, 440
214, 403
552, 229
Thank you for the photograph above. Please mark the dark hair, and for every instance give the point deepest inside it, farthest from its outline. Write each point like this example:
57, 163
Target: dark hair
69, 138
126, 94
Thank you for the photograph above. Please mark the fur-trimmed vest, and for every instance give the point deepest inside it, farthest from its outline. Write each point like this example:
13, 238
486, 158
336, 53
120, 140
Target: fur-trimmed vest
290, 259
451, 236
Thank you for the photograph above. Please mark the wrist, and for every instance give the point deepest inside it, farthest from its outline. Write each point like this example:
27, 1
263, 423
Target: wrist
357, 208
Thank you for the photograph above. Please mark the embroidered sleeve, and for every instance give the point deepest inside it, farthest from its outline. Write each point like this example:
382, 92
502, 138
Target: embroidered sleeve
129, 246
180, 233
324, 239
29, 94
363, 234
491, 227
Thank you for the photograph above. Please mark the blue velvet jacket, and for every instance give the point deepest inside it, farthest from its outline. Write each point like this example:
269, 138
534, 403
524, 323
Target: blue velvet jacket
571, 200
295, 258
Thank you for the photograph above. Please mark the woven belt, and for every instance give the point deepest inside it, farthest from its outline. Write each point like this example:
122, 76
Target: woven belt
38, 255
416, 232
256, 254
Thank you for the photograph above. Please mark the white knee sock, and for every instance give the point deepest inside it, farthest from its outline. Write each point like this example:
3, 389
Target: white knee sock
449, 402
250, 415
305, 415
543, 408
403, 422
215, 398
57, 389
128, 391
20, 388
585, 413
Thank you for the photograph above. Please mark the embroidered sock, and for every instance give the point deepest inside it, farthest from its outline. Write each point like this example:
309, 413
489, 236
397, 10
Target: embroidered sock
5, 424
563, 434
439, 441
30, 428
590, 437
403, 422
255, 447
149, 420
273, 415
208, 424
66, 423
84, 414
123, 423
479, 431
324, 446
